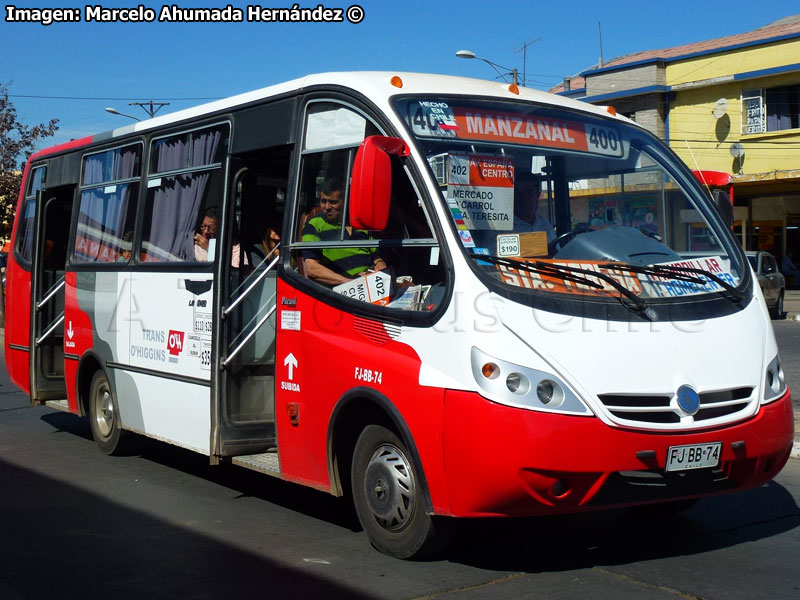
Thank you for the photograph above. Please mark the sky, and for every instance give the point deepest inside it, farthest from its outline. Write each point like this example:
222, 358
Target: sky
73, 71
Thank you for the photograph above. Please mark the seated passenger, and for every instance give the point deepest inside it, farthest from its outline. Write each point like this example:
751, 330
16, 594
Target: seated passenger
332, 266
125, 251
270, 239
208, 231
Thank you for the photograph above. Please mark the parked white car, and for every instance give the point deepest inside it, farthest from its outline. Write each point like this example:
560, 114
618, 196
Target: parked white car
771, 280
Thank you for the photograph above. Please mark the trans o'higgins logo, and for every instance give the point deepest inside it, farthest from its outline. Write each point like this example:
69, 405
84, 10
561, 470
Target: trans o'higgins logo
174, 344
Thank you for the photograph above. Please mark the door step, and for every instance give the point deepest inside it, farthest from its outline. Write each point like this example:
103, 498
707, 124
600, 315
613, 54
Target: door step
266, 462
58, 404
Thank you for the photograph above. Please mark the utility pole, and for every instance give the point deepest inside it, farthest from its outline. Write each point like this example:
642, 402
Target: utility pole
524, 50
600, 32
154, 107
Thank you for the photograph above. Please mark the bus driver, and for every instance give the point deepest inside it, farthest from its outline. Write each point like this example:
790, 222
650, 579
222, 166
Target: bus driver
332, 266
527, 191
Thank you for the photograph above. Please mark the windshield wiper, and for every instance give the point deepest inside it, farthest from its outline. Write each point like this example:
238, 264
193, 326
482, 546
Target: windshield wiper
576, 275
677, 273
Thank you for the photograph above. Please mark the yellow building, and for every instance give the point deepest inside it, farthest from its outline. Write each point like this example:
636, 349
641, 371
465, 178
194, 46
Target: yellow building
730, 104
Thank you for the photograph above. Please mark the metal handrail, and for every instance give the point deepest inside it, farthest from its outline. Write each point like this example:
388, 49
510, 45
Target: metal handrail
238, 348
255, 282
51, 292
59, 320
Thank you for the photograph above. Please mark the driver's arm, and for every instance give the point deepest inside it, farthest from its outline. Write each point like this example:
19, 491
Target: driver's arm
320, 273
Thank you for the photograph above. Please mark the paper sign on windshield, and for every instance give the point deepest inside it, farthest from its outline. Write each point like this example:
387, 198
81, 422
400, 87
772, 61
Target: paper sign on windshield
482, 187
594, 285
646, 285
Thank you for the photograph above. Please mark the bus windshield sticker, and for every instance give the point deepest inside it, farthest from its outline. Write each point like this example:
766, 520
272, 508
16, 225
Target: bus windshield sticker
641, 284
428, 119
553, 283
482, 189
668, 287
461, 223
438, 119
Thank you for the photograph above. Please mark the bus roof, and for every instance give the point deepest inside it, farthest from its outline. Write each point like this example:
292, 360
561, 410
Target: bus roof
376, 85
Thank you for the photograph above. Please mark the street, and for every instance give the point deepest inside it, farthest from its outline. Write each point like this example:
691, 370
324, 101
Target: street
163, 523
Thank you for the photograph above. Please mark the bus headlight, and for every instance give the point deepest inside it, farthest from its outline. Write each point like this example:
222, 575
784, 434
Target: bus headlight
515, 385
550, 393
518, 384
774, 381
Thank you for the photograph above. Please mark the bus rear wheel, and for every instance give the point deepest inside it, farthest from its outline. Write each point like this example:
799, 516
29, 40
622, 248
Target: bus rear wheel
104, 417
388, 498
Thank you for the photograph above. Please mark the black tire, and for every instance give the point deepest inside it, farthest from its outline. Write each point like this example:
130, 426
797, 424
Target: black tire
388, 498
777, 311
104, 418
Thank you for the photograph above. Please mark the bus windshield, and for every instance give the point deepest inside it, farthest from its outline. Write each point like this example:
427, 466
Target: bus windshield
556, 202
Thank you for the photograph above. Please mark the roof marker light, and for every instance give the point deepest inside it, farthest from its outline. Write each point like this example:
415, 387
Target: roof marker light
611, 110
514, 89
397, 82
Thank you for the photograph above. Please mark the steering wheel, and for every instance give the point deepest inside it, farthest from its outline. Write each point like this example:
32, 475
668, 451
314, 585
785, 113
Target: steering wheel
565, 238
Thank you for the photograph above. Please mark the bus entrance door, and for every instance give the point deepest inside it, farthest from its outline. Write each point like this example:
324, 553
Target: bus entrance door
246, 407
53, 208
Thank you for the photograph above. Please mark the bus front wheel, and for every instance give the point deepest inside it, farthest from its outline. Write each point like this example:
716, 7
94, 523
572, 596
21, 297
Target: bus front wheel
388, 498
104, 417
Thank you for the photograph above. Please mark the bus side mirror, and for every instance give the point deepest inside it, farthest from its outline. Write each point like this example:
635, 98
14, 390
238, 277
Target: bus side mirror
721, 194
371, 185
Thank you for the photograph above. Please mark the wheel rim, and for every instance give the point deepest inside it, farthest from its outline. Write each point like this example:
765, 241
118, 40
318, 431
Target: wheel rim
104, 410
389, 488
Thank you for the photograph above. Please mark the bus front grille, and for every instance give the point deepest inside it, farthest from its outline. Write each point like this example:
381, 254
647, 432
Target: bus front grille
662, 409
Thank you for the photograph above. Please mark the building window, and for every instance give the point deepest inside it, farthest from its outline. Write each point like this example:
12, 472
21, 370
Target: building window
783, 106
753, 114
773, 109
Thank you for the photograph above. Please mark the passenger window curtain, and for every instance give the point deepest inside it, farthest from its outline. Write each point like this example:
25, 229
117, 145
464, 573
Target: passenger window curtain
175, 208
171, 154
102, 222
204, 148
104, 210
93, 169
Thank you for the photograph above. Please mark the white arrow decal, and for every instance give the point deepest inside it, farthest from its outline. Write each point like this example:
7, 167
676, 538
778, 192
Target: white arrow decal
292, 362
70, 331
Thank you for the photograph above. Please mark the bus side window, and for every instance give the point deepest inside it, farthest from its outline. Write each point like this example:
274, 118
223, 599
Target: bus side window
107, 205
177, 203
398, 267
25, 229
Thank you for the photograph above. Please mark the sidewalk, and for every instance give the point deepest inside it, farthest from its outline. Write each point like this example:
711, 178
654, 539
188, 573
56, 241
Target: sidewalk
791, 304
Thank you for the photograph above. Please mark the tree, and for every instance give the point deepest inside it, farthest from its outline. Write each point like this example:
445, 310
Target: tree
17, 142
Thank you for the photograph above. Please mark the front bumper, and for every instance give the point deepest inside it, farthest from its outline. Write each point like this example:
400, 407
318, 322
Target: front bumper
514, 462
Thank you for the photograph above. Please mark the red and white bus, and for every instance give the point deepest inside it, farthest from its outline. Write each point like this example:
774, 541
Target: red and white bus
520, 323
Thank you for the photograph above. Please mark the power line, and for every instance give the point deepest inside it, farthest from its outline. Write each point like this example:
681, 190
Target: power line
107, 98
